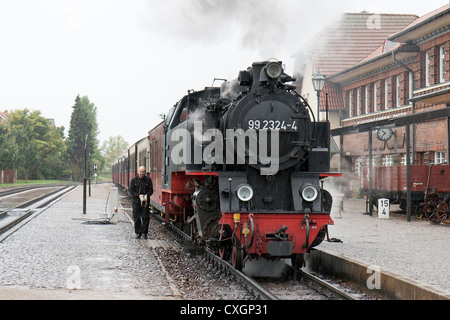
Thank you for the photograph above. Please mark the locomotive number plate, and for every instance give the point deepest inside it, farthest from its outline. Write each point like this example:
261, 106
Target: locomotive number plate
282, 125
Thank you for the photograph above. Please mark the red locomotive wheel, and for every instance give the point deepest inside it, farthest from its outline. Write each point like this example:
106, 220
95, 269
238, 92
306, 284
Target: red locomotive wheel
443, 213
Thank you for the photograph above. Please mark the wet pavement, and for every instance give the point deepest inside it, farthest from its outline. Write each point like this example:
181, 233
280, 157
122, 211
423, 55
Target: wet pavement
59, 256
419, 250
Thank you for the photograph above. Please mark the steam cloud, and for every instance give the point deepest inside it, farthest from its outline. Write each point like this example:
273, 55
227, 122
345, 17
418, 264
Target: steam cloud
268, 26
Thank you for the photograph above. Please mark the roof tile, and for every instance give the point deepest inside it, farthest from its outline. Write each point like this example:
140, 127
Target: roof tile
351, 39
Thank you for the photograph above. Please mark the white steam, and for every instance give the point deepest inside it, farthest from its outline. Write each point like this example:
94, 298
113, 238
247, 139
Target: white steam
269, 27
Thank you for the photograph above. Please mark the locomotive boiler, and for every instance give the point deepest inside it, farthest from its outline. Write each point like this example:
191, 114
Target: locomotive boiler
240, 168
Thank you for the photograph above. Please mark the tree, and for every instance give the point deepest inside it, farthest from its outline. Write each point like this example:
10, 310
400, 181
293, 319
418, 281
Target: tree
113, 148
8, 148
54, 163
32, 145
83, 123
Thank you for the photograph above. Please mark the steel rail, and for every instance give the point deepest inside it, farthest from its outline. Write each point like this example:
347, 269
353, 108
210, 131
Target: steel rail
251, 285
248, 283
323, 285
61, 192
28, 202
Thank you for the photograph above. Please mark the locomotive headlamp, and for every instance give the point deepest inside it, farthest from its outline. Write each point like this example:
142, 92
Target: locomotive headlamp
245, 193
274, 70
310, 193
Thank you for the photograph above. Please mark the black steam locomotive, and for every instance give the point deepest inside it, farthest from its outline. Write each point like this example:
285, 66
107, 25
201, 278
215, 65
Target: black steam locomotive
240, 167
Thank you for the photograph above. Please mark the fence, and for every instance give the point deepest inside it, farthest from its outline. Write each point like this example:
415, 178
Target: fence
8, 176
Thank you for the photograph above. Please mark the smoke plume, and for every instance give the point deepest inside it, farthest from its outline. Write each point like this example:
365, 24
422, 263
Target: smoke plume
268, 26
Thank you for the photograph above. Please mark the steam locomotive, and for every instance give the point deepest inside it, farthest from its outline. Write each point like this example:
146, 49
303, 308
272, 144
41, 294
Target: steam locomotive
240, 167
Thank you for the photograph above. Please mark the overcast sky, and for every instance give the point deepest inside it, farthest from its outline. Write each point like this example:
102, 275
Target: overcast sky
135, 59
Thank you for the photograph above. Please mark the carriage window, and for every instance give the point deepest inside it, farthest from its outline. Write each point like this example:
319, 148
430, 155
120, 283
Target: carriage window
156, 155
150, 157
143, 157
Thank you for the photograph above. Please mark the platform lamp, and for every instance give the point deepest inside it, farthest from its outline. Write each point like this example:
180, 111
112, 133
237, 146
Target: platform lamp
318, 83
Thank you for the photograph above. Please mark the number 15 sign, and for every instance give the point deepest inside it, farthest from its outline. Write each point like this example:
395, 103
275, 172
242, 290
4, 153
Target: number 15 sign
383, 208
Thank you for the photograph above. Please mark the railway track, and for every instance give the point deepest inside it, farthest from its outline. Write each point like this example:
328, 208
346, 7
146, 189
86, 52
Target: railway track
307, 286
19, 211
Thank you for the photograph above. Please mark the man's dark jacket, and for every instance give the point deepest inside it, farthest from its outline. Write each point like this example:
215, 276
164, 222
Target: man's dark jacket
141, 186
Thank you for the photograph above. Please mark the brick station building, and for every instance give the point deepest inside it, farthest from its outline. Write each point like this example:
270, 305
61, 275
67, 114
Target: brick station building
344, 43
409, 73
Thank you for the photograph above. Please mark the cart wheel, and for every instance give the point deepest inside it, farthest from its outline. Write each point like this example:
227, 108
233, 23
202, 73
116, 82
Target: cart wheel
430, 212
430, 208
443, 213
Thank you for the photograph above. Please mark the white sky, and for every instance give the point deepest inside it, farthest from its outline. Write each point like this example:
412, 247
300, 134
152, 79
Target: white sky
136, 58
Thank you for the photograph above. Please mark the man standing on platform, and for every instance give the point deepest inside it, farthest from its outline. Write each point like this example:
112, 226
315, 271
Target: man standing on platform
141, 188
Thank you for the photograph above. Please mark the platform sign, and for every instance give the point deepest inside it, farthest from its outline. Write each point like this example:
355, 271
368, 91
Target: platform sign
383, 208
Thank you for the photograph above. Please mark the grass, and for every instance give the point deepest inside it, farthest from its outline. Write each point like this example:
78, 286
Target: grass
101, 178
32, 182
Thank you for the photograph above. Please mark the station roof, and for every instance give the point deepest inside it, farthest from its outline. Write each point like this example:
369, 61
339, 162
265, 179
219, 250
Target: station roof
435, 20
353, 37
350, 40
398, 46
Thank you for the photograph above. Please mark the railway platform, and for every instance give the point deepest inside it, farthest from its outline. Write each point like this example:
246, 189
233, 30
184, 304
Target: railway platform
418, 250
63, 254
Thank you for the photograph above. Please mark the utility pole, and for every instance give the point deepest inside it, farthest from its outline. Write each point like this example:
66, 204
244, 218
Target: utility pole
85, 172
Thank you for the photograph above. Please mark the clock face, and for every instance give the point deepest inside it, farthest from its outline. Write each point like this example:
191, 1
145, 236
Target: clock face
384, 134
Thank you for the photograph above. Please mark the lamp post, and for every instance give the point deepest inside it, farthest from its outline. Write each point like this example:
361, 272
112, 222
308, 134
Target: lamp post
318, 83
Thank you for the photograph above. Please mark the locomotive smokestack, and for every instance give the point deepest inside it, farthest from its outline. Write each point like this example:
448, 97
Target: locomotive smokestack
257, 68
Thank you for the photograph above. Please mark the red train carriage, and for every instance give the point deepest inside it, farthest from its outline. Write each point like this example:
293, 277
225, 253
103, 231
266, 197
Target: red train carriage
155, 165
427, 181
